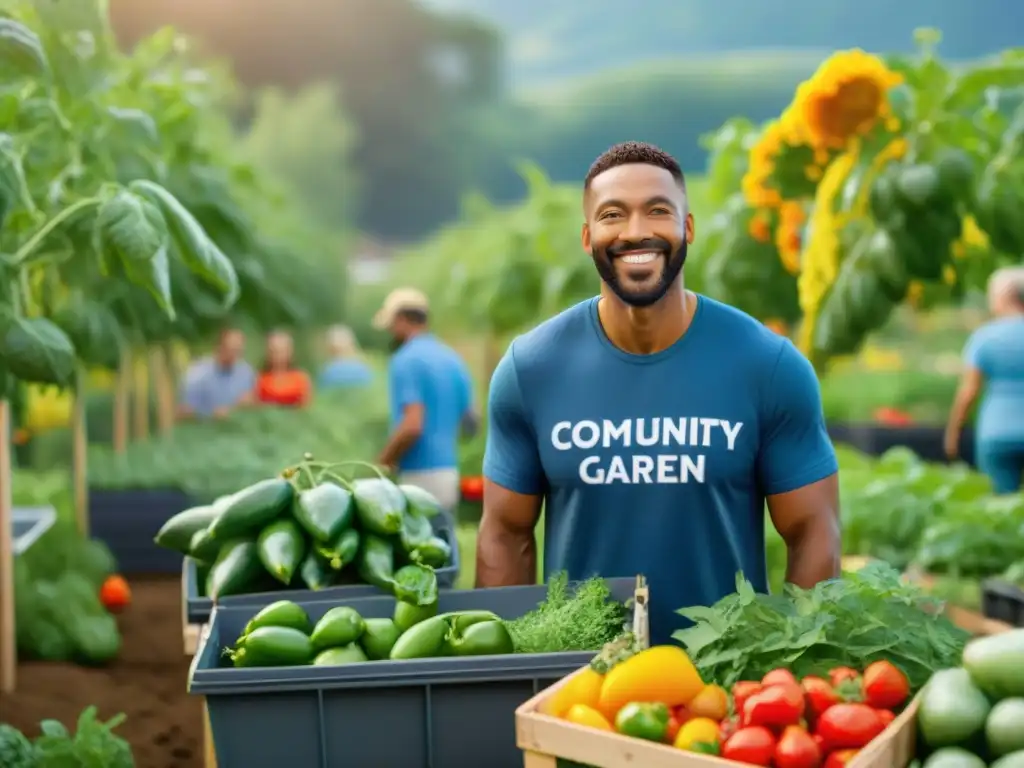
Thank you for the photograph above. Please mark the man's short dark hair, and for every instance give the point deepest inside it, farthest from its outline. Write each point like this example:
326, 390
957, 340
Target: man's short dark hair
414, 316
631, 153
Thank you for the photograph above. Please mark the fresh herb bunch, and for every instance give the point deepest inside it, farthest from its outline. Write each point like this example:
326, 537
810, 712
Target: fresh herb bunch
583, 619
92, 745
862, 617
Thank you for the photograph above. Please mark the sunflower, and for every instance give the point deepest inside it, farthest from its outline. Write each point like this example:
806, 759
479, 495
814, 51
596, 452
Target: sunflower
846, 97
789, 234
761, 161
759, 227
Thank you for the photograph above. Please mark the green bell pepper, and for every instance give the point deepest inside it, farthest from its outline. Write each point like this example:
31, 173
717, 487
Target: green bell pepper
379, 505
483, 638
324, 511
643, 721
424, 640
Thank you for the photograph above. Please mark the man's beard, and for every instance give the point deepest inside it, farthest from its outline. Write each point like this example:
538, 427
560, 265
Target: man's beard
605, 263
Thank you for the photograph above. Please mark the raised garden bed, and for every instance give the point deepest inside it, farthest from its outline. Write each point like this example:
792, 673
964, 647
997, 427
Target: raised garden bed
1003, 601
876, 439
127, 520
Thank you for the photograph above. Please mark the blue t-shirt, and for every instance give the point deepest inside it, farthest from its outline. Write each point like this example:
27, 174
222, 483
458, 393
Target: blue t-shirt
428, 372
997, 351
344, 373
657, 464
209, 385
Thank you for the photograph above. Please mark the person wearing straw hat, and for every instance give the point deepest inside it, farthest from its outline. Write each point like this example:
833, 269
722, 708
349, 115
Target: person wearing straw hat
654, 424
994, 365
431, 399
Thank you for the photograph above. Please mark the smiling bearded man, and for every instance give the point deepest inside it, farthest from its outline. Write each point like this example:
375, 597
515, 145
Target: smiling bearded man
654, 423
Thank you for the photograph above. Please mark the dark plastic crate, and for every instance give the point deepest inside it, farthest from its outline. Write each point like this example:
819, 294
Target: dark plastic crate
28, 524
128, 520
925, 441
1003, 601
198, 607
424, 713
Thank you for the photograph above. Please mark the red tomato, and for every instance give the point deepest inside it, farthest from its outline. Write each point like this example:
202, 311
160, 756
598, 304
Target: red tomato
840, 675
819, 693
115, 594
841, 758
472, 488
797, 749
742, 691
775, 707
727, 728
849, 726
884, 686
754, 746
777, 676
886, 715
682, 714
673, 728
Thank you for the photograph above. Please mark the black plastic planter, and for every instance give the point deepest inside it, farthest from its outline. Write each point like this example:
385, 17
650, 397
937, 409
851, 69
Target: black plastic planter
127, 520
1003, 601
876, 439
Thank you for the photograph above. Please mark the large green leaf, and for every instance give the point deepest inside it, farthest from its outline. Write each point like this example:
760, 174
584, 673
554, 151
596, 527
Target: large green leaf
131, 232
21, 52
198, 252
93, 330
36, 350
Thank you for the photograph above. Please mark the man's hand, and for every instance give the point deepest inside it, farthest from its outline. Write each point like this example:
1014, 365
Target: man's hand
951, 444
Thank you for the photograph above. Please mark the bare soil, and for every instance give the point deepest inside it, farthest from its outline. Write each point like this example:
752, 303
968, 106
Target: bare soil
146, 683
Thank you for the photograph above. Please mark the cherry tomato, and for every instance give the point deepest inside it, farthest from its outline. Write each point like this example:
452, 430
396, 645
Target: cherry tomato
849, 726
886, 715
742, 691
840, 758
673, 728
819, 693
776, 706
754, 746
777, 676
796, 749
841, 675
884, 686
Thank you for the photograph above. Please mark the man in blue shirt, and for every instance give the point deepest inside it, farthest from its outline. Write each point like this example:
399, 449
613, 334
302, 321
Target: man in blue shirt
215, 385
431, 399
654, 423
994, 365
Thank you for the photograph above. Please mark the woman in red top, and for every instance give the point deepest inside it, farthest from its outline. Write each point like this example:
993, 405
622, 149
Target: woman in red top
280, 382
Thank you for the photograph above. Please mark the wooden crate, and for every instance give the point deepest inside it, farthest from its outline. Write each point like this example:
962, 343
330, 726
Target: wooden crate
190, 640
545, 739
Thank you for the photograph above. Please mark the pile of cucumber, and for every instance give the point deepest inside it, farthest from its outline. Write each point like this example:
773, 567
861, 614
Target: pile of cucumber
282, 635
309, 528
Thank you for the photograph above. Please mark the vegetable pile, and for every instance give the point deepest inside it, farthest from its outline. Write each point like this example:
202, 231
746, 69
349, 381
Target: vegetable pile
282, 634
863, 617
778, 721
972, 716
92, 744
312, 526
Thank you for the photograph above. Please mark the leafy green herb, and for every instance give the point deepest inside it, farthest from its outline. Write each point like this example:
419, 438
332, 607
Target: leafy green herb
863, 617
580, 620
93, 745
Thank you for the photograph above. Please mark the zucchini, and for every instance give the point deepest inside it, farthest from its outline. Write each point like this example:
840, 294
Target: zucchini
235, 571
178, 531
253, 508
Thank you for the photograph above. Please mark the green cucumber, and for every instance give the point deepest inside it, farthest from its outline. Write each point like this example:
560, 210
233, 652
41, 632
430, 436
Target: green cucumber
252, 508
235, 571
420, 502
339, 626
204, 548
379, 638
315, 573
275, 647
283, 613
342, 551
324, 511
379, 505
177, 532
425, 640
435, 552
281, 547
349, 654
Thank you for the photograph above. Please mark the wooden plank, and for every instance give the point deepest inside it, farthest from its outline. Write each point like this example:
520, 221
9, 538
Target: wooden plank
8, 636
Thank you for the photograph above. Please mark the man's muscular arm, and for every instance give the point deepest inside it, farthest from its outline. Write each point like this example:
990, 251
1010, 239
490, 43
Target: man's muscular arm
807, 519
506, 550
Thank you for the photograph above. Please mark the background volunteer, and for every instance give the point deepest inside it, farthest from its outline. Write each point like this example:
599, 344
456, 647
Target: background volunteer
994, 365
431, 399
216, 385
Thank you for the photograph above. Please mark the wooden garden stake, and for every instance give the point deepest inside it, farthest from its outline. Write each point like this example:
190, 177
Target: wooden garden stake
122, 396
140, 398
79, 454
159, 370
8, 638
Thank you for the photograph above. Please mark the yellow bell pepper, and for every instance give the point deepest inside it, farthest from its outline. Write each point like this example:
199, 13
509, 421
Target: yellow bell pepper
662, 674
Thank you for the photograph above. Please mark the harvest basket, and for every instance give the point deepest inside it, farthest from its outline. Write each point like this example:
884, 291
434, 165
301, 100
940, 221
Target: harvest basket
546, 740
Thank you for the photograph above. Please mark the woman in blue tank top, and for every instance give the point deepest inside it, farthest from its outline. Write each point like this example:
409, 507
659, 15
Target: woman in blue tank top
994, 369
